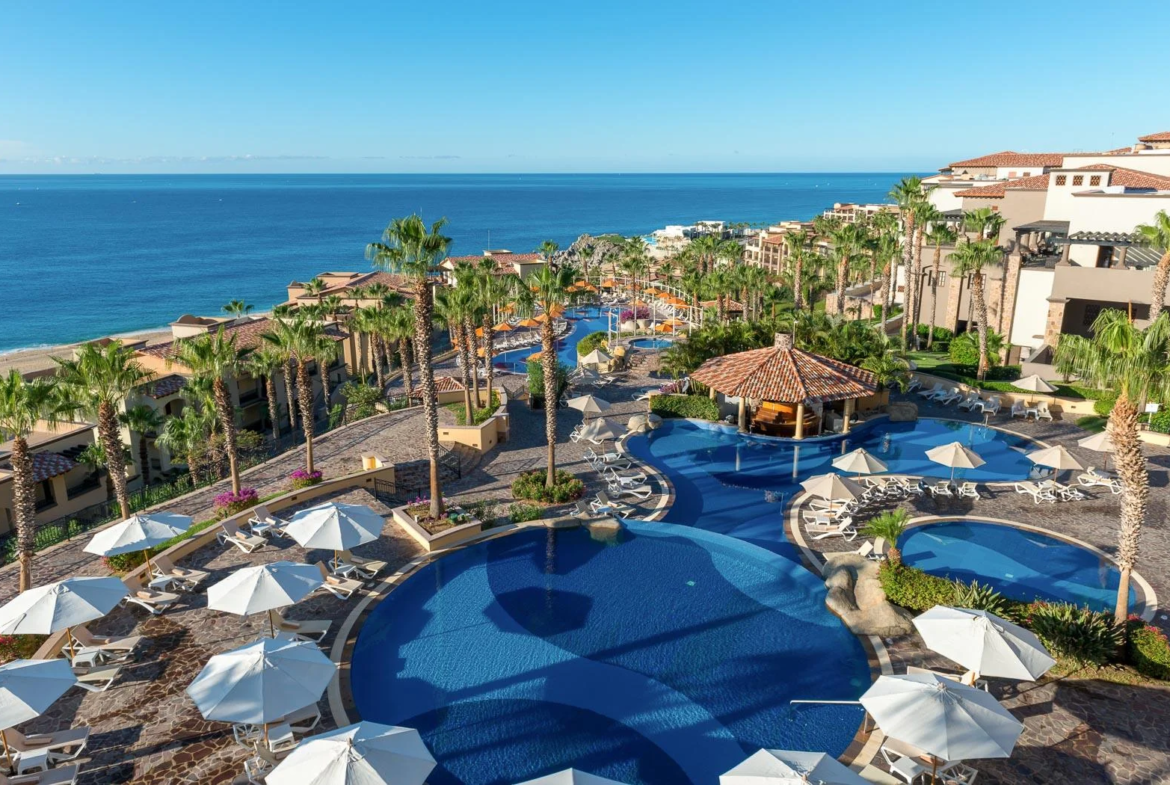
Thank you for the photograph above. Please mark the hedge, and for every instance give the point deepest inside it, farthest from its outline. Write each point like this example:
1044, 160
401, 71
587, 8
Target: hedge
914, 589
696, 407
530, 486
592, 341
1148, 650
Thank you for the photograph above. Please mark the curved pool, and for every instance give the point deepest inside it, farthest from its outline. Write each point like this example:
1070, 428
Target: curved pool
652, 343
584, 320
1020, 564
739, 484
662, 656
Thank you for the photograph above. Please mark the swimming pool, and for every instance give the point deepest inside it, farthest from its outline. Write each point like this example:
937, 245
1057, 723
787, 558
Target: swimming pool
1020, 564
585, 319
651, 343
661, 659
738, 484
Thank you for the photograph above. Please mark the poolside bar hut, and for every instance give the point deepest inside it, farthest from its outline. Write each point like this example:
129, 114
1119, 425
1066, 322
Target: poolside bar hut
785, 383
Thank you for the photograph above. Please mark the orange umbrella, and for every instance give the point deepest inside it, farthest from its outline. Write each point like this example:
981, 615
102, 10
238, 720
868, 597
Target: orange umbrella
581, 284
502, 327
537, 356
651, 291
664, 328
479, 352
571, 288
478, 332
589, 288
675, 322
541, 319
528, 323
608, 283
507, 309
558, 310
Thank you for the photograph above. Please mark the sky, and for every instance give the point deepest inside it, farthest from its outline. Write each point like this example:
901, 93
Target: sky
598, 86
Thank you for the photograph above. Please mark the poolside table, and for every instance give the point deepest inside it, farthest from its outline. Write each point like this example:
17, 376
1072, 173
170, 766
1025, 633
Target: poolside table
32, 759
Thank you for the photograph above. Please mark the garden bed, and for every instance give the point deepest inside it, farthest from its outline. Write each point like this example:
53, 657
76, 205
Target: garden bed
456, 525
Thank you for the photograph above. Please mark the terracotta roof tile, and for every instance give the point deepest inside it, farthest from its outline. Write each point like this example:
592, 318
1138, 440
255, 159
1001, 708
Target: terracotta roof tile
1012, 158
1037, 183
247, 334
443, 384
49, 464
1131, 178
161, 388
397, 282
1163, 136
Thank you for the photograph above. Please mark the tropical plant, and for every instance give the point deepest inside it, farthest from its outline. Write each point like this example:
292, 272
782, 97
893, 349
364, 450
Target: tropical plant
795, 243
264, 363
453, 308
494, 292
940, 234
315, 287
978, 596
848, 242
408, 247
548, 292
964, 349
1134, 363
301, 340
1156, 235
215, 357
96, 383
1086, 637
22, 405
93, 457
143, 420
187, 435
362, 399
889, 526
237, 308
399, 328
907, 194
278, 340
972, 259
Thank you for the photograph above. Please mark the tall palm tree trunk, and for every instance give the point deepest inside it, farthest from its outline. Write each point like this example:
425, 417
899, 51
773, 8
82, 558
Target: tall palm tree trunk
404, 357
115, 462
907, 260
884, 295
423, 308
379, 369
289, 373
326, 393
25, 503
459, 335
273, 406
549, 362
915, 284
143, 459
489, 340
227, 420
934, 294
305, 398
1135, 490
798, 283
1161, 278
842, 269
473, 353
981, 313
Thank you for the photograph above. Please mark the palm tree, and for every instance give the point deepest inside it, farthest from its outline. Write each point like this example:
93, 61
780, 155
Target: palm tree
398, 328
326, 353
93, 457
215, 357
315, 287
494, 292
265, 362
237, 308
277, 340
301, 340
907, 194
187, 434
142, 419
410, 248
1156, 235
96, 383
888, 247
451, 308
1133, 363
705, 251
926, 217
332, 305
549, 294
848, 242
22, 405
889, 526
548, 250
971, 259
794, 242
940, 234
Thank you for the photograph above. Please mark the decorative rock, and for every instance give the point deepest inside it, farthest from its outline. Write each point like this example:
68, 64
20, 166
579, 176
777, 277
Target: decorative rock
567, 522
638, 424
855, 594
653, 421
902, 411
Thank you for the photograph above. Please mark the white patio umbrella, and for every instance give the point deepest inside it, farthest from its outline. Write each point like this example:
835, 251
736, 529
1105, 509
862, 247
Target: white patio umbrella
570, 777
1055, 457
335, 527
790, 767
600, 429
983, 643
139, 532
1034, 384
1099, 442
262, 681
27, 689
595, 357
61, 606
945, 719
832, 486
956, 456
588, 404
363, 754
264, 588
860, 461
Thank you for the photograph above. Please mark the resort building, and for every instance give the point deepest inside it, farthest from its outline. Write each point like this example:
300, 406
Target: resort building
767, 250
850, 213
506, 262
64, 486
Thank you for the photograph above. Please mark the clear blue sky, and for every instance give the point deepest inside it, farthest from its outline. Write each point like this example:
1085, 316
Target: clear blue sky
627, 86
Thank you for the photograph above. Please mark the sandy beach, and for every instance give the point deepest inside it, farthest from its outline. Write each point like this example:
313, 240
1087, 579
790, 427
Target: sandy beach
38, 359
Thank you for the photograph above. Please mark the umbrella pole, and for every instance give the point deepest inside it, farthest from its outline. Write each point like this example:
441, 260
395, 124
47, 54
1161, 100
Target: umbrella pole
271, 624
933, 770
7, 752
149, 574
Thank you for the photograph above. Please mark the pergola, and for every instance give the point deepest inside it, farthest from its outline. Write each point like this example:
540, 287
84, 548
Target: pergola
785, 376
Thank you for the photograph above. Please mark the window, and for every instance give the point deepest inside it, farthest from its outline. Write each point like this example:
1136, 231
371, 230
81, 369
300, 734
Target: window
1061, 179
942, 278
1092, 311
1095, 180
1078, 179
1011, 174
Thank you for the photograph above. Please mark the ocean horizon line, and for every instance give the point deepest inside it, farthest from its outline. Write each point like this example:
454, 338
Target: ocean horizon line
898, 172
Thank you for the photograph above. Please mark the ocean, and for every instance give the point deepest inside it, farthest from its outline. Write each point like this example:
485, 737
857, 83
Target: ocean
87, 256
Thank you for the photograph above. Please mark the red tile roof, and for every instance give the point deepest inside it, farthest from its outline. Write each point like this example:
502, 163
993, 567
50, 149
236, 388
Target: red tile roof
161, 388
49, 464
1163, 136
784, 374
1012, 158
247, 334
1036, 183
399, 283
1132, 178
443, 384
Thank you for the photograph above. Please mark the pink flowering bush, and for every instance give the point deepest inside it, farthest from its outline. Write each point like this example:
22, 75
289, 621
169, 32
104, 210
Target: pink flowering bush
303, 479
638, 313
228, 503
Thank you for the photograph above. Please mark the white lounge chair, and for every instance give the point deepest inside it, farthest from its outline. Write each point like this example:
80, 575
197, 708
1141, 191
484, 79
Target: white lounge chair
344, 588
1042, 412
842, 528
248, 543
951, 397
1095, 479
1067, 493
1037, 493
1019, 410
185, 578
941, 488
154, 601
915, 384
991, 405
265, 523
970, 402
315, 629
627, 477
866, 551
62, 745
603, 504
933, 391
968, 490
640, 492
122, 646
367, 568
97, 679
64, 775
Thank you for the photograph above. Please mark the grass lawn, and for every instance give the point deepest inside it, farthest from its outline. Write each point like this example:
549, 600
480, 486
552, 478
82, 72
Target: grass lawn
940, 364
480, 416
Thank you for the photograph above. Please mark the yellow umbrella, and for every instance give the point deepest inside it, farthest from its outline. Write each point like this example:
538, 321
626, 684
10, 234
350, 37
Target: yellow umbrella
536, 356
664, 328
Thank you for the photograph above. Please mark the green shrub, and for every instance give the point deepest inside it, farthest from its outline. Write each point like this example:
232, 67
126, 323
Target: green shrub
530, 485
889, 526
1086, 637
1160, 421
484, 510
1103, 405
597, 340
698, 407
914, 589
519, 513
981, 597
964, 348
479, 416
940, 333
1148, 649
536, 379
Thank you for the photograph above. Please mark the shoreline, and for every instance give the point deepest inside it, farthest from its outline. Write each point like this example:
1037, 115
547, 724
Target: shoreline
39, 358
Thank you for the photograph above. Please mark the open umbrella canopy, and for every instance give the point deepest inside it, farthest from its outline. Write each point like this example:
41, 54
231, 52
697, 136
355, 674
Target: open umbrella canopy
29, 687
984, 643
860, 461
790, 767
529, 323
1098, 442
264, 588
570, 777
137, 533
943, 718
955, 456
589, 404
600, 429
335, 527
363, 754
1033, 383
59, 606
832, 486
1056, 457
261, 682
596, 356
502, 327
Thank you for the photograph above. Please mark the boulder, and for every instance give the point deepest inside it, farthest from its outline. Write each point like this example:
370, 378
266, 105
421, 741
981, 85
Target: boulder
855, 594
902, 411
638, 424
653, 421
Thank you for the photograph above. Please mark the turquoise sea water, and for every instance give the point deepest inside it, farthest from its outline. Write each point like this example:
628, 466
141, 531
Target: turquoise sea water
90, 256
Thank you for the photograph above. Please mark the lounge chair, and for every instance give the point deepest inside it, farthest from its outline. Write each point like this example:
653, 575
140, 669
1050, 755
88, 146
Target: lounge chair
123, 645
264, 523
627, 477
842, 528
951, 397
640, 492
65, 775
905, 766
970, 402
304, 720
866, 551
583, 510
1042, 412
915, 384
261, 764
248, 543
185, 578
1095, 479
603, 503
941, 488
1067, 493
97, 679
367, 568
154, 601
933, 391
315, 629
968, 490
1019, 410
991, 405
1037, 493
343, 588
62, 745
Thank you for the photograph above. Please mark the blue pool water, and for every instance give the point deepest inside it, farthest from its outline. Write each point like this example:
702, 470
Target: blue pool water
663, 658
739, 485
585, 320
1020, 564
651, 343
